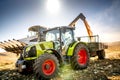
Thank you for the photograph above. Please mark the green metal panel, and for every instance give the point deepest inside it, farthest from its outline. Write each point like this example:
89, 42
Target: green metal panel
41, 47
30, 58
39, 50
71, 48
28, 48
48, 45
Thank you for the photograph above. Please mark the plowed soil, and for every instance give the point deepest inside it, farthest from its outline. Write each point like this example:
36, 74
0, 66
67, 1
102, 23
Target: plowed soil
108, 69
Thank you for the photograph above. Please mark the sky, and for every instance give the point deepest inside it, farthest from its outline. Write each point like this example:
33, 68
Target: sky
16, 16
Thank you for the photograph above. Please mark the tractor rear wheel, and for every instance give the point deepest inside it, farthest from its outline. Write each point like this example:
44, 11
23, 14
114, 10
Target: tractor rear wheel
46, 67
101, 54
80, 59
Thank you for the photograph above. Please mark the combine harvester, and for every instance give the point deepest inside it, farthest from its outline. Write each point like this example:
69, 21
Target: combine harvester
17, 46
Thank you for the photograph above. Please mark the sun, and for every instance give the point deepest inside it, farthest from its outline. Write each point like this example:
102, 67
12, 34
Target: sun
53, 6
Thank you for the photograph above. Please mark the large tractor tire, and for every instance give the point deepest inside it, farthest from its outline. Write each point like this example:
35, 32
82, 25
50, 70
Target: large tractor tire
80, 59
101, 54
46, 67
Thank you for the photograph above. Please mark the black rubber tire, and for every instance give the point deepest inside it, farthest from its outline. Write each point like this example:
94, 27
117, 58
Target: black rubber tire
38, 66
101, 54
74, 61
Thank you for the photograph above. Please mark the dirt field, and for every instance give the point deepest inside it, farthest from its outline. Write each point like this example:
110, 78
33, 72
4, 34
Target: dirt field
108, 69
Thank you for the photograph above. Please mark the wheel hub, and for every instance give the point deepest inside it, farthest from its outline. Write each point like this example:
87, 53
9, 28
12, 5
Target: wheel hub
82, 56
48, 67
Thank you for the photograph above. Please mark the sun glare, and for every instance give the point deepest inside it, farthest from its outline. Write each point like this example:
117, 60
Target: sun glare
53, 6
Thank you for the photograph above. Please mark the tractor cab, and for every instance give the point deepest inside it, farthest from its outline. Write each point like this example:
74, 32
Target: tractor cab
62, 37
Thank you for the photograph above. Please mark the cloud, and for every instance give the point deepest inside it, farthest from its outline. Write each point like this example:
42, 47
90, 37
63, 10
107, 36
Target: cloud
106, 23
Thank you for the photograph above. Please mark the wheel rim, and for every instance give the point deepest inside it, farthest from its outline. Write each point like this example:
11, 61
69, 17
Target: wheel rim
48, 67
82, 56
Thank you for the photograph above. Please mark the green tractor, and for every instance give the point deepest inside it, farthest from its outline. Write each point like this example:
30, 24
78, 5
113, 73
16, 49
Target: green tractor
46, 57
57, 47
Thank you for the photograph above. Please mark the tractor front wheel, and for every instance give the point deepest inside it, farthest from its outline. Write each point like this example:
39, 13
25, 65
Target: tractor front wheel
80, 59
46, 66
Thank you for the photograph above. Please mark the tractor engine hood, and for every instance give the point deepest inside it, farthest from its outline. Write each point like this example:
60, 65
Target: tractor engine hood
37, 49
45, 45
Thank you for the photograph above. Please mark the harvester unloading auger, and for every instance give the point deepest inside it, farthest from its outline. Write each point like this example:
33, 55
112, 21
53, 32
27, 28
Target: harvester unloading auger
57, 45
83, 18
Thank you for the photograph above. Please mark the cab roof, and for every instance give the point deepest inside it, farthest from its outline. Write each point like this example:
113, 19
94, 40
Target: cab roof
36, 28
61, 27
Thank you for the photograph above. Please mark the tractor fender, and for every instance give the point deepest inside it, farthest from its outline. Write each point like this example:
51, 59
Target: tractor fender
58, 55
71, 48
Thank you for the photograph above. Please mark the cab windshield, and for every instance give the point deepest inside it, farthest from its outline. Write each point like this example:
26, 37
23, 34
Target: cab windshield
53, 35
66, 35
